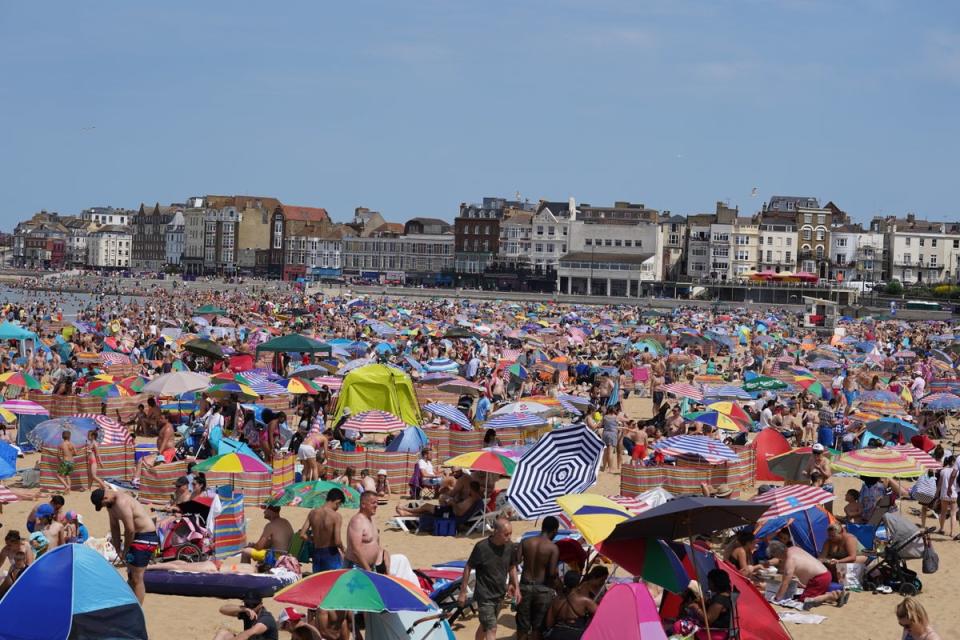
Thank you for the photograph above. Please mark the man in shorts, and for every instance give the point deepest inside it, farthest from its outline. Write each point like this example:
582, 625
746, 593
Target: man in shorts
812, 574
66, 452
139, 541
494, 558
540, 557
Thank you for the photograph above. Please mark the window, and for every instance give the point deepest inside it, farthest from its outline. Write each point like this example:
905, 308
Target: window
807, 218
933, 261
721, 237
588, 242
539, 229
921, 241
933, 242
618, 243
674, 239
807, 234
551, 231
809, 266
628, 243
841, 242
821, 218
906, 258
550, 248
789, 242
820, 235
956, 244
721, 251
769, 256
743, 255
841, 258
787, 257
769, 240
608, 242
563, 248
906, 241
743, 240
820, 253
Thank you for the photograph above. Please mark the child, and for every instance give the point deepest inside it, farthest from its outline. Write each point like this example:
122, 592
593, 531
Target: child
852, 511
66, 452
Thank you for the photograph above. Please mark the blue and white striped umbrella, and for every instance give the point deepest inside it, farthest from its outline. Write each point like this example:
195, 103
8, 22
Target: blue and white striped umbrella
726, 391
262, 385
709, 449
564, 461
449, 412
508, 420
440, 364
941, 402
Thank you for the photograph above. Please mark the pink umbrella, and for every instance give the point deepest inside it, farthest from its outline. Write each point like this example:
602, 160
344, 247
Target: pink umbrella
925, 459
24, 408
627, 612
375, 422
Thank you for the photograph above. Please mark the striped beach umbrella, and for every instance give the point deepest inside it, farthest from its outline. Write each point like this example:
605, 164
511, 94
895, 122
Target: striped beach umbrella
508, 420
790, 499
733, 410
24, 408
299, 386
232, 389
234, 463
694, 446
716, 419
814, 387
111, 431
103, 389
262, 384
375, 421
683, 390
594, 516
332, 383
355, 590
449, 412
878, 463
563, 462
488, 461
923, 458
941, 402
440, 365
19, 379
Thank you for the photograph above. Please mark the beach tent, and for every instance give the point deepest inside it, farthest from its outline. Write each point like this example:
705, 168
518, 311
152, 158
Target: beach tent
757, 619
406, 625
410, 440
380, 387
808, 529
627, 612
71, 592
768, 443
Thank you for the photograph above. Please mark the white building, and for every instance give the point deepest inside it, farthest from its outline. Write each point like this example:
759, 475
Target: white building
698, 244
610, 258
777, 250
672, 245
856, 254
919, 251
107, 215
516, 233
175, 240
550, 233
109, 247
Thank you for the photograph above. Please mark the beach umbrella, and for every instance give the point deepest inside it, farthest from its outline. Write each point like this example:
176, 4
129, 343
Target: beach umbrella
440, 365
922, 458
330, 382
7, 416
209, 310
84, 598
578, 401
532, 408
941, 402
228, 389
461, 386
733, 410
204, 347
309, 371
790, 465
648, 558
19, 379
594, 516
764, 383
298, 386
437, 377
878, 463
715, 392
313, 494
687, 517
177, 383
375, 421
6, 496
295, 343
716, 419
789, 499
563, 461
694, 446
410, 440
487, 461
894, 426
24, 407
518, 371
450, 413
49, 432
683, 390
233, 463
814, 387
7, 470
508, 420
354, 590
102, 389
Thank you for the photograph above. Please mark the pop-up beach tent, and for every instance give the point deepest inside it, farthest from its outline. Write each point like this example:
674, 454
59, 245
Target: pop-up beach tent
71, 593
382, 387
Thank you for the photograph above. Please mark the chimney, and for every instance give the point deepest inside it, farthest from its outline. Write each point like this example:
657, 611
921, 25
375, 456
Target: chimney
911, 218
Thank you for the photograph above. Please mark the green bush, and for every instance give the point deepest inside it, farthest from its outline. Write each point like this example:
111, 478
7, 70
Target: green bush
893, 288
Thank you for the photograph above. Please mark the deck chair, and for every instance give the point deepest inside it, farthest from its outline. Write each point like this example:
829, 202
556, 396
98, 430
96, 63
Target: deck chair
484, 519
882, 508
419, 490
734, 632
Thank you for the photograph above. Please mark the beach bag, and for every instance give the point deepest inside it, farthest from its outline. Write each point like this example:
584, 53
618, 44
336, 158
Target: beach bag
931, 561
924, 490
852, 576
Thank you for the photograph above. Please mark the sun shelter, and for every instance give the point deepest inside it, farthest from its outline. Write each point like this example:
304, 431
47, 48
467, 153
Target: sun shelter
768, 443
627, 612
81, 597
379, 387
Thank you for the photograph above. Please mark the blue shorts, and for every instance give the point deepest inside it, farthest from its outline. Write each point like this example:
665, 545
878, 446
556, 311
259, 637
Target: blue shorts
327, 559
142, 548
432, 482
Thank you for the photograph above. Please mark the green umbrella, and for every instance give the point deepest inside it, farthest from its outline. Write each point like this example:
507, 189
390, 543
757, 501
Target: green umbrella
204, 347
313, 494
295, 343
209, 310
764, 383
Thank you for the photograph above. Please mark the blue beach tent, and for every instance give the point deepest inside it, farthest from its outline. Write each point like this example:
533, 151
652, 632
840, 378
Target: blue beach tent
71, 593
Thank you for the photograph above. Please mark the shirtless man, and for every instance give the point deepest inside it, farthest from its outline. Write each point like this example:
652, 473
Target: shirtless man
14, 544
66, 452
50, 527
811, 573
363, 539
277, 534
323, 527
458, 509
164, 447
793, 424
540, 558
140, 539
461, 487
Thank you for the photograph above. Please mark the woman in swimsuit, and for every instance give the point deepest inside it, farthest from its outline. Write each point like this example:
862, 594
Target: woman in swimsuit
913, 618
569, 614
93, 460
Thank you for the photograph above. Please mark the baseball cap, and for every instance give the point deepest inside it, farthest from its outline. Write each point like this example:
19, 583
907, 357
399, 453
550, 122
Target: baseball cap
44, 511
817, 448
96, 497
289, 614
73, 516
382, 472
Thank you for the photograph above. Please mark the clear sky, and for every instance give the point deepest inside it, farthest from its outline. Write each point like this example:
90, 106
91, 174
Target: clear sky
410, 107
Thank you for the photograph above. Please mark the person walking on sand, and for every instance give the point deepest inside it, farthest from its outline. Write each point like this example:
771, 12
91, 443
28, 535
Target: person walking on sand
66, 452
139, 540
322, 527
93, 460
540, 557
494, 559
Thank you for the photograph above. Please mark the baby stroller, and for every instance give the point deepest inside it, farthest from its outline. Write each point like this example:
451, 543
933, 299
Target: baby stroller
186, 537
889, 569
194, 443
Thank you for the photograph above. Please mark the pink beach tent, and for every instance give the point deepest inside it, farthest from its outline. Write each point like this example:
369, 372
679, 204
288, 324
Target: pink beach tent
627, 612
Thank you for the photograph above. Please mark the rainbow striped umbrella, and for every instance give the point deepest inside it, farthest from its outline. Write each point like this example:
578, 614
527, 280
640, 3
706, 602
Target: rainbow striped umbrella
298, 386
813, 386
733, 410
484, 461
923, 458
355, 590
104, 389
19, 379
234, 463
232, 388
375, 421
878, 463
715, 419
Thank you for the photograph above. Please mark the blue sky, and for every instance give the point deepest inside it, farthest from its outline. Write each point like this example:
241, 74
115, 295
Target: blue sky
411, 107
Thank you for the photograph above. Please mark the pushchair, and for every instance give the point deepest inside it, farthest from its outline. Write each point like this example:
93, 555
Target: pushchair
185, 537
194, 443
889, 569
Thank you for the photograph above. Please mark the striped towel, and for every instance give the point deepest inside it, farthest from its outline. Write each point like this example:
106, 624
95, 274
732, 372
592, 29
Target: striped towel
7, 496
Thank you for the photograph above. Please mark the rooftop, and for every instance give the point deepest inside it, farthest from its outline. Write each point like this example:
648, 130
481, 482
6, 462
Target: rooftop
596, 257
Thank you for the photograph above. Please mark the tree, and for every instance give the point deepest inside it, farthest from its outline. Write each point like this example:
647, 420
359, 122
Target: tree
894, 288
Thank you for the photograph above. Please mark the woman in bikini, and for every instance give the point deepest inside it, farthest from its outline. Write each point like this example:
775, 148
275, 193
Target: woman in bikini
569, 614
93, 460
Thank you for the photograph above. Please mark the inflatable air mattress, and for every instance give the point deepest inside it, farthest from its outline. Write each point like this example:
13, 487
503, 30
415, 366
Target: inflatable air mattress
213, 585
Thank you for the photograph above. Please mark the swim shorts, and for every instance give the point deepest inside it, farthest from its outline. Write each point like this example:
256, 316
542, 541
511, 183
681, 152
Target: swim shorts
142, 548
534, 602
816, 586
64, 468
327, 559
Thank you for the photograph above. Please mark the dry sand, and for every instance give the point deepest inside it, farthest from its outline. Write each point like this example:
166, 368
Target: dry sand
866, 617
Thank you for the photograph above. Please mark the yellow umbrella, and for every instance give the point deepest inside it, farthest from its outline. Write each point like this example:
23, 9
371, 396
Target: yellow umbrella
594, 516
7, 415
